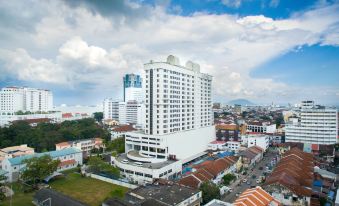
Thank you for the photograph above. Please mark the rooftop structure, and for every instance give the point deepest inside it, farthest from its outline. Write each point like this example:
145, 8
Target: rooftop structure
164, 193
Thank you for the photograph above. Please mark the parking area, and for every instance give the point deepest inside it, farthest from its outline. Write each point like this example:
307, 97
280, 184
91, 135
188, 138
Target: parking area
250, 178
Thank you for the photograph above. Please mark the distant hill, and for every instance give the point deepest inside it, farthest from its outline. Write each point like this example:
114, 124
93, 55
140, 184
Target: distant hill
242, 102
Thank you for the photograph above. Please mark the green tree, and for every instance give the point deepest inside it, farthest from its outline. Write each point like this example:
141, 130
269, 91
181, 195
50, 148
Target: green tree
97, 165
98, 116
209, 191
228, 178
117, 145
118, 193
38, 168
3, 179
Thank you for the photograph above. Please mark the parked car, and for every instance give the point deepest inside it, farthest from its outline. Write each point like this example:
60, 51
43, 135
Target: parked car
125, 161
248, 182
244, 180
258, 181
138, 164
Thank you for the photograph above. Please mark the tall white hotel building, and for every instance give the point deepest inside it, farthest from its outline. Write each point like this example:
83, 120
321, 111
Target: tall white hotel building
13, 99
316, 125
178, 123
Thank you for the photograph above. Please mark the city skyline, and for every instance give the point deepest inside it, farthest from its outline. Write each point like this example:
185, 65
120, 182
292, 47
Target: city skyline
263, 51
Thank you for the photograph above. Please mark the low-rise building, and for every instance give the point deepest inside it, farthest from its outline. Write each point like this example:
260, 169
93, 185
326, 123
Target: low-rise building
141, 169
7, 119
216, 145
69, 158
15, 151
160, 193
85, 145
261, 127
251, 156
210, 171
227, 132
291, 181
233, 146
256, 197
121, 130
256, 139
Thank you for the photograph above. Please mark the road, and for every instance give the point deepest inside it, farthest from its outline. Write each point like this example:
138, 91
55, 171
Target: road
238, 186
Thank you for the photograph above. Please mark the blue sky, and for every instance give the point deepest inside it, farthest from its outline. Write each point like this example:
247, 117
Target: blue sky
262, 50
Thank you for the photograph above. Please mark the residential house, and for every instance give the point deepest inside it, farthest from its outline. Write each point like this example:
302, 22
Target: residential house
69, 158
120, 131
251, 156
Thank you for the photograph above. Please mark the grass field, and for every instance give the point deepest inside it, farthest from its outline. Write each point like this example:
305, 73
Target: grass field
88, 190
20, 198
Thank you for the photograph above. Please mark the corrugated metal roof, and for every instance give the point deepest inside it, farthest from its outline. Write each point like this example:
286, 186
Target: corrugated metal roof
53, 154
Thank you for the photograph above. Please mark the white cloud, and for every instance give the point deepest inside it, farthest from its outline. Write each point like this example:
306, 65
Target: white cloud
232, 3
83, 47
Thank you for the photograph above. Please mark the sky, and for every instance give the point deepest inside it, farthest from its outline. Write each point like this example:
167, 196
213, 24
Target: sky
280, 51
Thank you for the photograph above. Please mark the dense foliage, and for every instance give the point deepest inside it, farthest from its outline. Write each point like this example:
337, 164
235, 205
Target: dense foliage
209, 191
117, 145
45, 135
228, 178
97, 165
2, 185
38, 168
98, 116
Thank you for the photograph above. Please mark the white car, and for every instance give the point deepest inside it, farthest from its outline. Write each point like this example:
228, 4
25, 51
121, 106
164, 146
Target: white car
125, 161
138, 164
258, 181
244, 180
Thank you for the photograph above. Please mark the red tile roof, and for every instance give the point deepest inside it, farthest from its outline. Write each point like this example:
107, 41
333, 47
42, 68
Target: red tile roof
295, 172
255, 197
124, 128
67, 162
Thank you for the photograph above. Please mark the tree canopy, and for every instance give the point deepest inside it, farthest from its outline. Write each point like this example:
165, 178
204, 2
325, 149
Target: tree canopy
97, 165
228, 178
98, 116
117, 145
45, 135
209, 191
38, 168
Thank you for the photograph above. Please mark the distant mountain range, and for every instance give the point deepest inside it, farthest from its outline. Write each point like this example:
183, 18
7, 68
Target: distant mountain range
242, 102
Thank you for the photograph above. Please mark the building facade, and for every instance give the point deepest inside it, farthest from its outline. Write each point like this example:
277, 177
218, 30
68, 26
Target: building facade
178, 112
133, 88
85, 145
316, 125
14, 99
131, 112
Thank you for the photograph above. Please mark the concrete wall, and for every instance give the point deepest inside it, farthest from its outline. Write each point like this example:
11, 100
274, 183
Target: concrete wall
116, 182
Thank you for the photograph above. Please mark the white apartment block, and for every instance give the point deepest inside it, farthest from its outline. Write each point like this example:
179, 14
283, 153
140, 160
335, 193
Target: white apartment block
131, 112
178, 117
13, 99
316, 125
